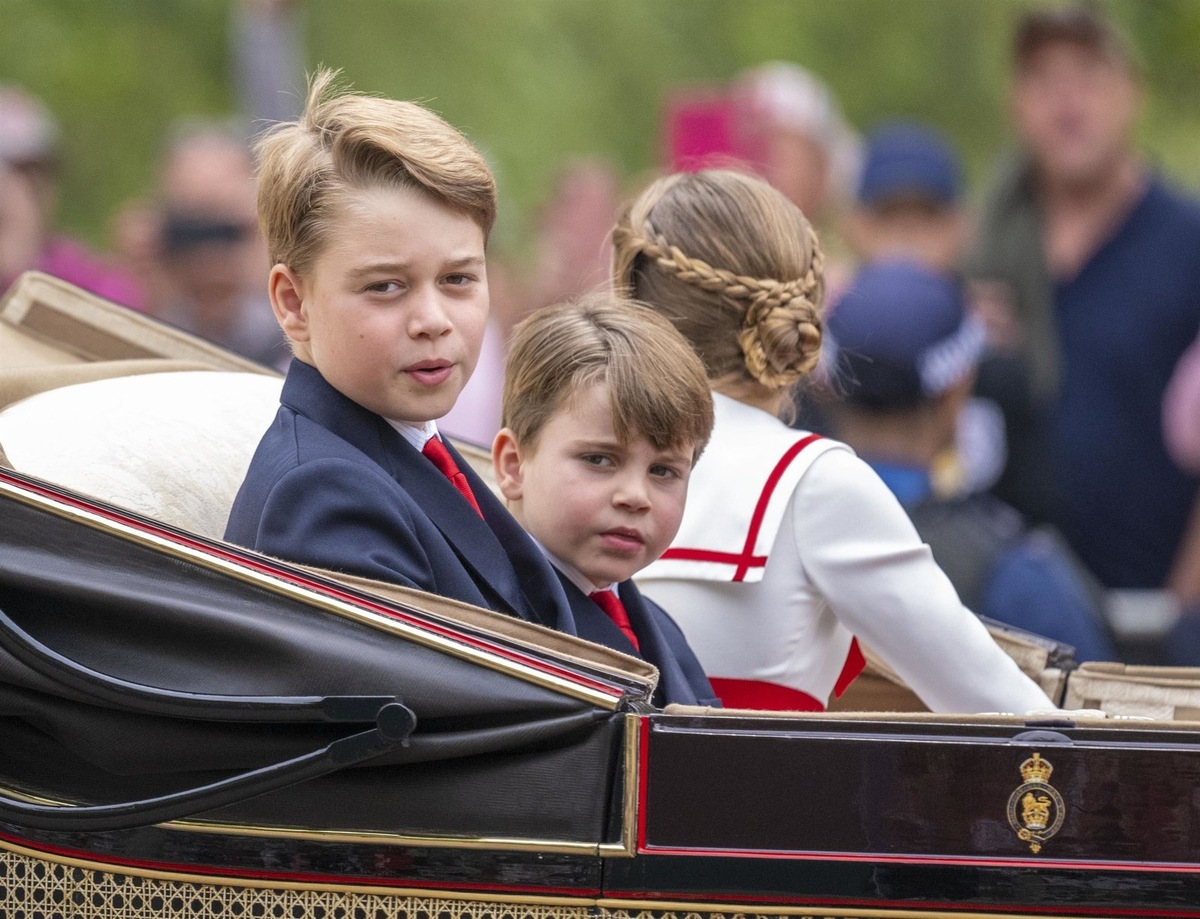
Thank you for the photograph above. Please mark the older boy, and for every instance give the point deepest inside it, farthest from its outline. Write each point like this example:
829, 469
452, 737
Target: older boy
376, 213
606, 409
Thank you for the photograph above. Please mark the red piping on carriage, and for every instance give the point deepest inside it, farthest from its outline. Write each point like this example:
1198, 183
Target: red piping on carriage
105, 861
645, 847
955, 908
643, 778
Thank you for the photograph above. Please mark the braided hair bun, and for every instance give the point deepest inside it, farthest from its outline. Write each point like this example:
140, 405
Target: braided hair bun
781, 334
735, 266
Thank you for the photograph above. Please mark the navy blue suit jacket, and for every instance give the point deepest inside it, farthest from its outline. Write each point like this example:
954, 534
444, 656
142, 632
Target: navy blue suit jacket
335, 486
681, 679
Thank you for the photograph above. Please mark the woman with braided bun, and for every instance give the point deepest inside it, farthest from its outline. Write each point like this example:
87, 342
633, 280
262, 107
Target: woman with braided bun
790, 545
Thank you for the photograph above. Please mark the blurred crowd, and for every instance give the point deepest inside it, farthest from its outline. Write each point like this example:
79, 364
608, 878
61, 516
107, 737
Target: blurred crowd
188, 251
1025, 375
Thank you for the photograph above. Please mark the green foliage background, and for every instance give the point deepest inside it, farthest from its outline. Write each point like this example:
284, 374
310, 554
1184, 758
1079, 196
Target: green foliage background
535, 82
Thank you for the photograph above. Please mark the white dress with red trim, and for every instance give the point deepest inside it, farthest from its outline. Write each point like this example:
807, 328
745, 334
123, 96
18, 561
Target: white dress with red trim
790, 547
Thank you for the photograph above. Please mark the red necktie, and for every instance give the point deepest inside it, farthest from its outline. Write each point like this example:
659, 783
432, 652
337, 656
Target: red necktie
436, 452
615, 610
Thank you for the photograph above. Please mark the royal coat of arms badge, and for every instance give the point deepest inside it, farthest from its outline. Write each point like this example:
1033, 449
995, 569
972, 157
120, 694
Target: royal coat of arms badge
1036, 809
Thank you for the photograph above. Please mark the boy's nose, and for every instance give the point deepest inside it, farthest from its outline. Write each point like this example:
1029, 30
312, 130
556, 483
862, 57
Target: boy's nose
632, 492
428, 317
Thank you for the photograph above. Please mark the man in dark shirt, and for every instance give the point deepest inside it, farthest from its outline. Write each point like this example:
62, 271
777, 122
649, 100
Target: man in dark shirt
1099, 261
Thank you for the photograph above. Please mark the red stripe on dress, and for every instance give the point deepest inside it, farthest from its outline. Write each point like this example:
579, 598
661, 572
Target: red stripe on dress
711, 555
763, 695
746, 559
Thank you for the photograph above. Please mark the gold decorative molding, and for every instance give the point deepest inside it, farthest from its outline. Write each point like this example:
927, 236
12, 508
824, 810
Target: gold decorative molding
34, 883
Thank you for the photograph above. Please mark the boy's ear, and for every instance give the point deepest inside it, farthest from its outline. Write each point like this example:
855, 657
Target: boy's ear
506, 461
287, 302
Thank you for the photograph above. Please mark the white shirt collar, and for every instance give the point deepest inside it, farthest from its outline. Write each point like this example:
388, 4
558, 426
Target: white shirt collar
416, 434
573, 574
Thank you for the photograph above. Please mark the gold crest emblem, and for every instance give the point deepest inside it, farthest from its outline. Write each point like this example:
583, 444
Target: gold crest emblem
1036, 809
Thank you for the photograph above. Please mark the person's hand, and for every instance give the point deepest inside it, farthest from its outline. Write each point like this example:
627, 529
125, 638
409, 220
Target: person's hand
992, 302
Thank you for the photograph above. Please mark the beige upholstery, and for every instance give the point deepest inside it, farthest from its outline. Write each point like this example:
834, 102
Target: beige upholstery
23, 382
1123, 690
75, 410
172, 446
45, 321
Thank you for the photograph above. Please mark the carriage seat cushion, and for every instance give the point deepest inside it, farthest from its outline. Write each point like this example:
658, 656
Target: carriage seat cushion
171, 446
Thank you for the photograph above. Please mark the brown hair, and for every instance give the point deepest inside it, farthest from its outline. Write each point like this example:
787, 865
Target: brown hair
1083, 24
348, 141
735, 266
656, 384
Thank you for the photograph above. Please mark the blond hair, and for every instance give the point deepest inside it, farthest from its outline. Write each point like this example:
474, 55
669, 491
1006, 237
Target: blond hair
347, 142
657, 387
735, 266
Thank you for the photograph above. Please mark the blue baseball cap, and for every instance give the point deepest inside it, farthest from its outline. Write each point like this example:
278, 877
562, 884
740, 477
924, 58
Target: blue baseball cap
905, 159
901, 334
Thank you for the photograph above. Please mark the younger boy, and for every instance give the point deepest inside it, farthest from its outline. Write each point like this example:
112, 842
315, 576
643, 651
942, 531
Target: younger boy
606, 409
376, 214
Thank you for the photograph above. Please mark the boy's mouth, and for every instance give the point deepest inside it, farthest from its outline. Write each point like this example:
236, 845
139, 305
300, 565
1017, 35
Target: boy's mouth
429, 373
623, 538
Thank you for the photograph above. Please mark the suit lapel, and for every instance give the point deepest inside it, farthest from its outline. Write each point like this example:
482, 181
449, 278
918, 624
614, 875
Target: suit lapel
673, 684
473, 540
306, 392
497, 551
499, 555
538, 584
592, 623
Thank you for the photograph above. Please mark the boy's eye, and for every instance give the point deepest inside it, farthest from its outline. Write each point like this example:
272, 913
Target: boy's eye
597, 459
383, 287
661, 471
460, 280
